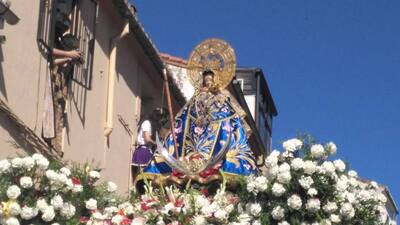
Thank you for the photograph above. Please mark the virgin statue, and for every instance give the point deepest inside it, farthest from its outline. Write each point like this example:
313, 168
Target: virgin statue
210, 132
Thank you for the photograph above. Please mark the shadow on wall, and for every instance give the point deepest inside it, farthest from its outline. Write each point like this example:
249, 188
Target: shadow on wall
2, 81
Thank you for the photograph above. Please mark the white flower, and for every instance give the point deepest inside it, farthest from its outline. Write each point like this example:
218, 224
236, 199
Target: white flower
272, 159
294, 202
28, 213
292, 145
25, 182
12, 221
330, 207
14, 209
254, 209
352, 173
278, 189
221, 214
312, 192
94, 174
4, 166
41, 161
306, 182
28, 163
256, 222
57, 202
284, 178
317, 150
309, 167
139, 221
68, 210
117, 219
91, 204
77, 188
65, 171
283, 223
41, 204
111, 186
261, 183
16, 163
244, 218
99, 216
278, 213
201, 201
331, 148
199, 220
52, 175
297, 164
48, 214
13, 192
313, 205
335, 218
339, 165
347, 211
284, 167
328, 167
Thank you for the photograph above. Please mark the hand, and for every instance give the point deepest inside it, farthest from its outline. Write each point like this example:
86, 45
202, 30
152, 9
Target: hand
74, 54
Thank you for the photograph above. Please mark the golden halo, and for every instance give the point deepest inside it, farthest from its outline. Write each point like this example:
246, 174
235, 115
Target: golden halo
212, 54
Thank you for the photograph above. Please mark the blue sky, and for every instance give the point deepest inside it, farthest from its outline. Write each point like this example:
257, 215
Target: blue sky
333, 66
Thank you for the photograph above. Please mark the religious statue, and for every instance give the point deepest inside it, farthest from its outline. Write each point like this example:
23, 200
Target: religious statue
210, 136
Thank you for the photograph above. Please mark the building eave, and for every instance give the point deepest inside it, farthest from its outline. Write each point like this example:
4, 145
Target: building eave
127, 11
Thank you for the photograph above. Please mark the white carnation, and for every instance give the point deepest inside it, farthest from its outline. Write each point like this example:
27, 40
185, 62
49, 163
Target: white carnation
328, 167
330, 207
309, 167
11, 221
352, 173
317, 150
91, 204
294, 202
272, 159
347, 211
306, 182
313, 205
68, 210
339, 165
4, 166
297, 164
292, 145
41, 161
335, 218
14, 209
41, 204
117, 219
16, 163
283, 223
199, 220
312, 192
13, 192
284, 178
57, 202
65, 171
221, 214
94, 174
28, 213
28, 163
48, 214
111, 186
254, 209
278, 213
331, 148
52, 175
25, 182
278, 189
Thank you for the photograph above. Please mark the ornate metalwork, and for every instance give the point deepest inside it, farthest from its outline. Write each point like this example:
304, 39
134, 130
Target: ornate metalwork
216, 55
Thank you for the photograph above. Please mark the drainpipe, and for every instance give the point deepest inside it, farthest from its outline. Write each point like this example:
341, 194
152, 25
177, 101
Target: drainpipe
108, 128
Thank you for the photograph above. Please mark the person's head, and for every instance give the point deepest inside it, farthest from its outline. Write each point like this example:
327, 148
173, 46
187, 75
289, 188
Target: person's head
62, 25
208, 78
159, 115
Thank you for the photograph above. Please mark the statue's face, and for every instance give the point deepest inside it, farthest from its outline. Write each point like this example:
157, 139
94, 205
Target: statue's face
208, 81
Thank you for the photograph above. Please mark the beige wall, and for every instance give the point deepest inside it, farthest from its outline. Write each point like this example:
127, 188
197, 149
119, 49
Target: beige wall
24, 71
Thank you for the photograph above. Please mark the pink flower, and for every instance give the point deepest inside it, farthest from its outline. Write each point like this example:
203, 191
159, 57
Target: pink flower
198, 130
